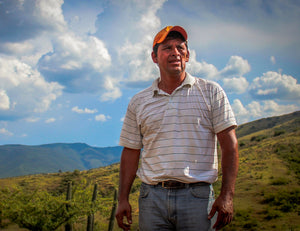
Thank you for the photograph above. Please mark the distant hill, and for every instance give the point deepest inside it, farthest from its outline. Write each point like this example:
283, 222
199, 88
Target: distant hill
18, 160
291, 121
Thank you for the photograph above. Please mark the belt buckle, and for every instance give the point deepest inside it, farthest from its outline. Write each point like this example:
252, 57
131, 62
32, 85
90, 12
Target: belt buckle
171, 185
163, 185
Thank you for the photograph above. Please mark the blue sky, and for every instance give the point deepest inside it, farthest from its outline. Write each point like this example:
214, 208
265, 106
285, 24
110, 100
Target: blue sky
69, 68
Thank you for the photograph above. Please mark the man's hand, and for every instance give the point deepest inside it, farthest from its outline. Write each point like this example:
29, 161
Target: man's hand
224, 207
124, 209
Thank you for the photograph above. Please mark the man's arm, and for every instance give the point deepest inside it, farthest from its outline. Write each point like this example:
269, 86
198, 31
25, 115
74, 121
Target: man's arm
128, 167
224, 203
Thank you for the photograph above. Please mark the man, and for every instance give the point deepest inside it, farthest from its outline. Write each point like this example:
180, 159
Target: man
176, 123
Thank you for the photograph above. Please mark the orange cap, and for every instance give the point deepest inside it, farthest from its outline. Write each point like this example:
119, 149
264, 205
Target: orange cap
160, 37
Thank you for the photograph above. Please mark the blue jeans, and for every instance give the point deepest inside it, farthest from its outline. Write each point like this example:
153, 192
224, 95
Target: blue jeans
184, 209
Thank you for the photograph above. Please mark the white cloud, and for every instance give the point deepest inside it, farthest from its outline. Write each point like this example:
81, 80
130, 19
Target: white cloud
22, 20
4, 100
50, 120
130, 37
235, 85
273, 85
77, 63
5, 132
17, 47
102, 118
240, 112
235, 66
24, 89
32, 119
135, 58
203, 69
273, 60
256, 110
112, 89
84, 111
49, 13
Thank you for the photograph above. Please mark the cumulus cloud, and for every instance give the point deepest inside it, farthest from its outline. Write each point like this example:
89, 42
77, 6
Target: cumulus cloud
22, 20
130, 37
111, 85
4, 100
5, 132
50, 120
235, 66
259, 109
23, 90
136, 59
102, 118
135, 21
16, 47
76, 63
32, 119
84, 111
201, 69
235, 85
273, 85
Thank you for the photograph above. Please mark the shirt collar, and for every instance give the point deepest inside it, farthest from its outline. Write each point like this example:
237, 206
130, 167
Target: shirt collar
189, 80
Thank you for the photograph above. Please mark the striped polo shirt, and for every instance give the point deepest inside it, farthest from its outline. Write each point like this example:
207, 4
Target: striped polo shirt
177, 132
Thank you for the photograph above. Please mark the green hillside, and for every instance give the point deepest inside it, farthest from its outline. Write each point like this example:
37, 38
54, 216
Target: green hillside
267, 189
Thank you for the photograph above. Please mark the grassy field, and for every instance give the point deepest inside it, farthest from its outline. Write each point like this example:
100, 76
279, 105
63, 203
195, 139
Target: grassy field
267, 189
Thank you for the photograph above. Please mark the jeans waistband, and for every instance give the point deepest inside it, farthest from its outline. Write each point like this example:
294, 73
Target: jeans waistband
171, 184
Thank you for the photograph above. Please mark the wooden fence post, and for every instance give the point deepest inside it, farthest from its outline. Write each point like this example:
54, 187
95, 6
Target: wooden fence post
68, 226
113, 212
90, 222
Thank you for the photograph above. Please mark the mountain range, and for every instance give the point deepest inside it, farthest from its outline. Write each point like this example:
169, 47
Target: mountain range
18, 160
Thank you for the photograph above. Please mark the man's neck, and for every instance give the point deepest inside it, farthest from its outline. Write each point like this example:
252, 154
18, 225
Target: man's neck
168, 83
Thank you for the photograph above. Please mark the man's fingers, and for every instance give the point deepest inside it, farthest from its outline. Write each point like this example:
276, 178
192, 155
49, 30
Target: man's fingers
212, 213
129, 219
122, 225
223, 219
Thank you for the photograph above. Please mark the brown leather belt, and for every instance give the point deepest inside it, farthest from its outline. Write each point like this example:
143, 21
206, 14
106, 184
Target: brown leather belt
172, 184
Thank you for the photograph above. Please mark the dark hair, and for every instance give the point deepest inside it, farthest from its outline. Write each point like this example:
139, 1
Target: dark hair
172, 35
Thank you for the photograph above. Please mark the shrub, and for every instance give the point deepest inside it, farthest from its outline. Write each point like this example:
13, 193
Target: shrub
280, 181
242, 144
272, 214
258, 138
278, 133
283, 200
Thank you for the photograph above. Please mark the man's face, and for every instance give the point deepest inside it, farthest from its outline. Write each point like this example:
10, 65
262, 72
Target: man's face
172, 56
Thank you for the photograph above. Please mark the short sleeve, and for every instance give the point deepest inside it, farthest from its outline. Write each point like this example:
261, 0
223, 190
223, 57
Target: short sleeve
222, 114
130, 135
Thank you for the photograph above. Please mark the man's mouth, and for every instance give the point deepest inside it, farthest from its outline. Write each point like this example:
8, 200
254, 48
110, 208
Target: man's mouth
174, 61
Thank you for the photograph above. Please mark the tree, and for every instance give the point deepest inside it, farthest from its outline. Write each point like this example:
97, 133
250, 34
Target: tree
42, 211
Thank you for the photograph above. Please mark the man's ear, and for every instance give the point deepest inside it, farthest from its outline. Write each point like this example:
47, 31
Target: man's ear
154, 57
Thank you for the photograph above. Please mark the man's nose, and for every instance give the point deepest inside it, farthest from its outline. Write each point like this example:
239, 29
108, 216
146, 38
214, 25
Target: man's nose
175, 51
